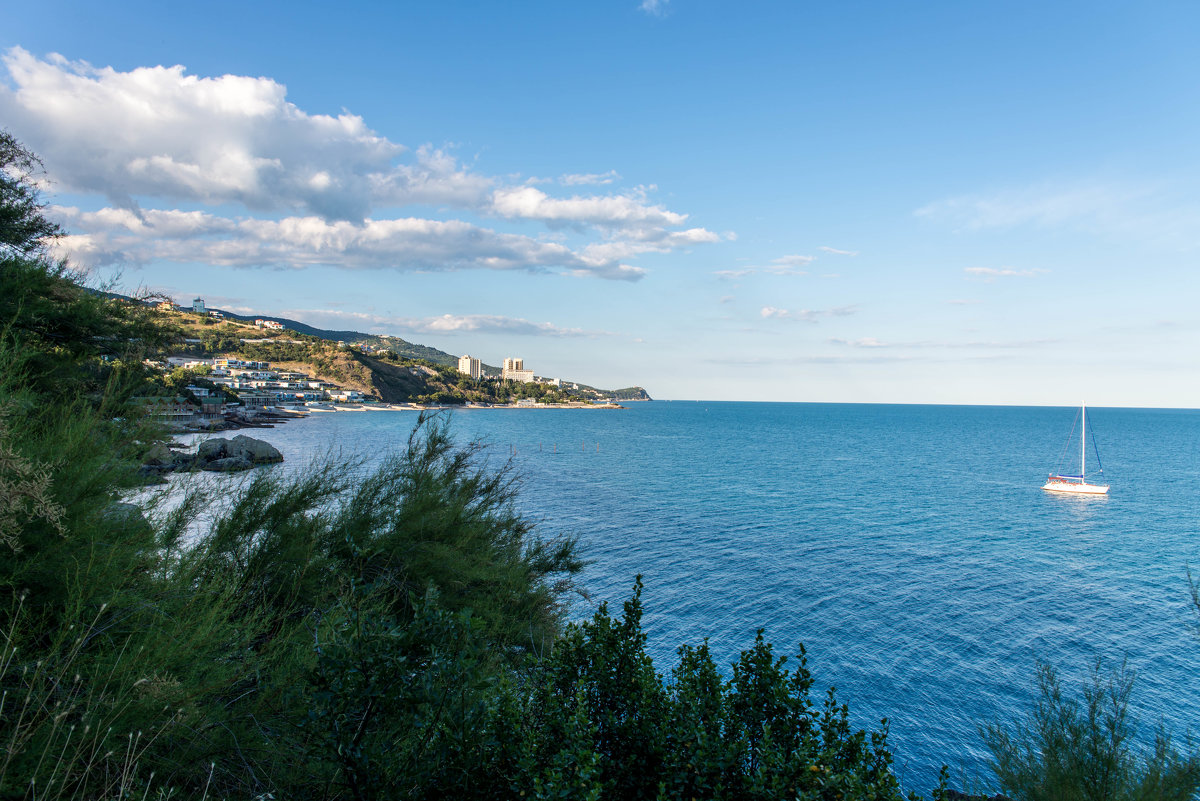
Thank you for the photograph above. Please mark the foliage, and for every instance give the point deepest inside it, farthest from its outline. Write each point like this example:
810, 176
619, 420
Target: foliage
601, 707
333, 633
24, 230
1069, 750
438, 515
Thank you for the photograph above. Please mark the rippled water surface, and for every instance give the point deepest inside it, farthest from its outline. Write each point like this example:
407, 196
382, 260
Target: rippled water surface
910, 548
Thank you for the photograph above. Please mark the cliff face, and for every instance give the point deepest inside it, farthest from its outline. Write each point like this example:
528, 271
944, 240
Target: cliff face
397, 384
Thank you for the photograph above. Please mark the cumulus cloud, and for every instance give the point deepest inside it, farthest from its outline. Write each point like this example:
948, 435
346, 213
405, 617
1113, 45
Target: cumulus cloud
653, 241
120, 236
631, 210
159, 136
156, 131
805, 315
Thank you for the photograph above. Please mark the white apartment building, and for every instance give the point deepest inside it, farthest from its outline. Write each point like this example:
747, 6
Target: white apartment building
198, 306
470, 366
514, 370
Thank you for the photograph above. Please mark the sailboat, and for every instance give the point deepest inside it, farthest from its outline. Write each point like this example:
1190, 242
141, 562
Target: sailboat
1059, 482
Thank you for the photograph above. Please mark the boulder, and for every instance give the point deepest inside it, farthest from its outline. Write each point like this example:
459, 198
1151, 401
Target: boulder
228, 464
212, 449
159, 455
254, 450
238, 453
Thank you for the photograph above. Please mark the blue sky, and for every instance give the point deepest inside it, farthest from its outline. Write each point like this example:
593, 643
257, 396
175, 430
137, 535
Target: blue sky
939, 202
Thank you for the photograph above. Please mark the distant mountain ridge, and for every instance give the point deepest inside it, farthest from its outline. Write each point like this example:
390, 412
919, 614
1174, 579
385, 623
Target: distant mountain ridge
403, 347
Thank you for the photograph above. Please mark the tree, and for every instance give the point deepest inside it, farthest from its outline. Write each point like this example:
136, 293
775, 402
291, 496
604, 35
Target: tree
1072, 751
24, 229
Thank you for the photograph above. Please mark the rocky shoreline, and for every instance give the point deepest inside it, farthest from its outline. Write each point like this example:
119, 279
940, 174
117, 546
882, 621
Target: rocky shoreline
221, 455
217, 455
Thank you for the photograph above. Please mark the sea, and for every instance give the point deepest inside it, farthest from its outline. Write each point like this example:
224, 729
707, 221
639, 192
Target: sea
910, 549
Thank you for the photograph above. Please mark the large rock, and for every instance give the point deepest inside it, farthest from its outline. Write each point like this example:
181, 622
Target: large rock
239, 453
159, 455
212, 449
254, 450
229, 464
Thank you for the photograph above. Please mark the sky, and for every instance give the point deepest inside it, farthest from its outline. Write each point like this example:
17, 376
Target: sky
942, 202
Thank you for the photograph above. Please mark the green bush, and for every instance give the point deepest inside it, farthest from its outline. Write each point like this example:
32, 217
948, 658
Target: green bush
328, 634
1070, 750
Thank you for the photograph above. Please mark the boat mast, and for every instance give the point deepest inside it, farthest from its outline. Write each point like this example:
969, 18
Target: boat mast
1083, 443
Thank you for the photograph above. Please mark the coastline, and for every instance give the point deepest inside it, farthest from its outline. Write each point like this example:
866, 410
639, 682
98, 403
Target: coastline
415, 407
271, 416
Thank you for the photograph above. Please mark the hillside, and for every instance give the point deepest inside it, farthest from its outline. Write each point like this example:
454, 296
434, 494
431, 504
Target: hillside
400, 346
386, 368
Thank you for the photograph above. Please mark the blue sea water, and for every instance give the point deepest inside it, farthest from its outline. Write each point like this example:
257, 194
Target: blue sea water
909, 548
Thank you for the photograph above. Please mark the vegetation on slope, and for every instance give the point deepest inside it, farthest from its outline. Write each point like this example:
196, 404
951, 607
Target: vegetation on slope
395, 372
348, 633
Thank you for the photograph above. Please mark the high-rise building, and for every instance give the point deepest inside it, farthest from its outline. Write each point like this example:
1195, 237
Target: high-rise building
470, 366
198, 306
514, 370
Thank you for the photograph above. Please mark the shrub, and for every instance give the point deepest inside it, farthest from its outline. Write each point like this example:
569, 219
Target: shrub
1068, 749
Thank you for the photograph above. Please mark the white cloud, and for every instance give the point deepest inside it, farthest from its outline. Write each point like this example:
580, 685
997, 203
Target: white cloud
992, 273
161, 133
655, 8
790, 262
836, 252
117, 236
530, 203
649, 241
596, 179
449, 323
158, 132
159, 136
806, 315
784, 265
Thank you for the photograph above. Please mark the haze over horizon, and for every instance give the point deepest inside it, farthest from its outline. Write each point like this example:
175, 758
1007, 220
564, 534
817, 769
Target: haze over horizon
863, 202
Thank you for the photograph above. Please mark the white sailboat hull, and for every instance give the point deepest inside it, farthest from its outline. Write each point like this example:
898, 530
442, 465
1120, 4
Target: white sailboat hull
1077, 484
1075, 487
